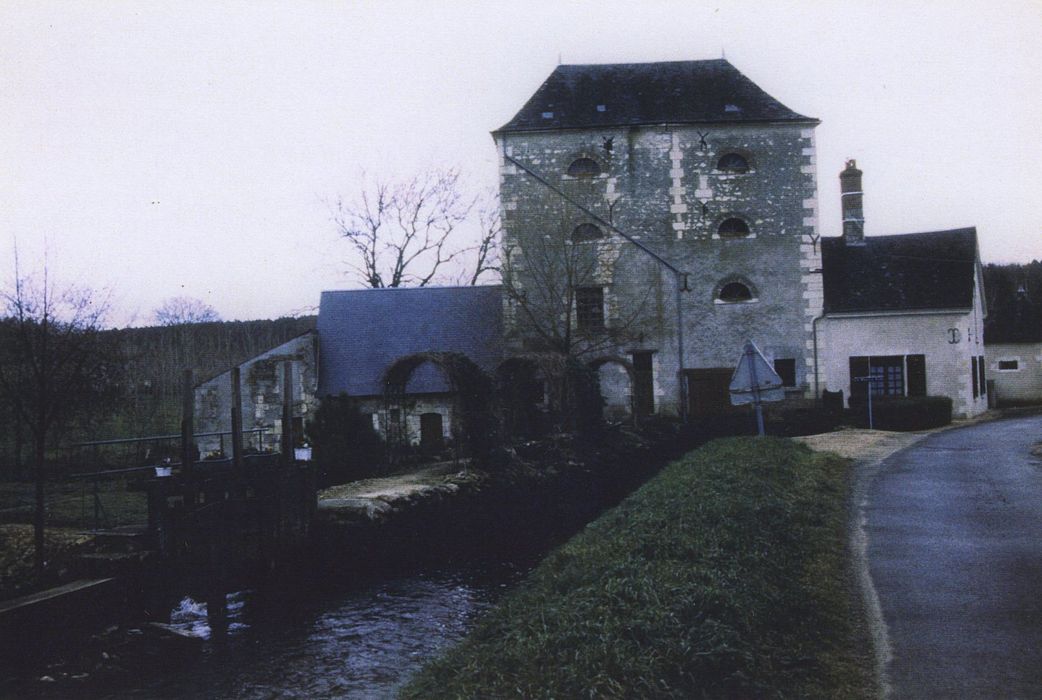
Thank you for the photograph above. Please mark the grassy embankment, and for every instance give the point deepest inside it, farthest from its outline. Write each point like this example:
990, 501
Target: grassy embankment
724, 576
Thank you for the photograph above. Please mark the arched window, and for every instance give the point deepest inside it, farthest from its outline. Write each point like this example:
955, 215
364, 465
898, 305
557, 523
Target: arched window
734, 292
733, 163
733, 227
584, 167
586, 232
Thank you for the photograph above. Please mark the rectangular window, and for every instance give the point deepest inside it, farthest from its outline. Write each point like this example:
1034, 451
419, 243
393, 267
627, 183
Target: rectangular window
887, 373
916, 365
589, 308
983, 378
643, 383
976, 381
786, 369
1009, 365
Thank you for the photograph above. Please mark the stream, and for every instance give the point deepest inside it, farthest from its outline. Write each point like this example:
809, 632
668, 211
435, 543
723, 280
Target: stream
316, 640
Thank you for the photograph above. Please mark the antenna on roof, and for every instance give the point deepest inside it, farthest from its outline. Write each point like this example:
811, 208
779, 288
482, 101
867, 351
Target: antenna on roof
558, 58
723, 53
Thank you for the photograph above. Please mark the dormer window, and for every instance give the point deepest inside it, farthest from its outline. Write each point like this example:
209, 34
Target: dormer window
733, 163
733, 227
586, 232
584, 167
734, 293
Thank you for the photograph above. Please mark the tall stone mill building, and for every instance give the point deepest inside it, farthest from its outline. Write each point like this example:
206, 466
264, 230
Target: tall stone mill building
672, 206
655, 217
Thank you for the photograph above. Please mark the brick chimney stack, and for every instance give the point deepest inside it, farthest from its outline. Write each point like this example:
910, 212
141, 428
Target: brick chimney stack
851, 194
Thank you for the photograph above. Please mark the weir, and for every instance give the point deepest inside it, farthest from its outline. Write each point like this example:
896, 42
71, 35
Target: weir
213, 526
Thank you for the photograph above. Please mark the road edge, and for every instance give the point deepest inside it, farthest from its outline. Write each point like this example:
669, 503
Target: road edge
865, 472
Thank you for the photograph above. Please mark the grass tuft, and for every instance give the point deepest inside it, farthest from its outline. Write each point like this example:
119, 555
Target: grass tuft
724, 576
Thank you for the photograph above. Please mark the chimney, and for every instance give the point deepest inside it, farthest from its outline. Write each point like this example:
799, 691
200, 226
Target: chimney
851, 194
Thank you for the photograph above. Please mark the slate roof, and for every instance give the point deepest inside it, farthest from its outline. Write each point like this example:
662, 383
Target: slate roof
362, 332
630, 94
908, 272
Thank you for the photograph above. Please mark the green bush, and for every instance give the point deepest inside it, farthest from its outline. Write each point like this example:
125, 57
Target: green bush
345, 445
904, 412
724, 576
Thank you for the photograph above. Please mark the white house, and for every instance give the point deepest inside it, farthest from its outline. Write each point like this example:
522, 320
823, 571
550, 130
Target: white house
905, 310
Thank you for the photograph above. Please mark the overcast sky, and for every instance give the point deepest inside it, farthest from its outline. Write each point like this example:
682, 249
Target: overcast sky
190, 148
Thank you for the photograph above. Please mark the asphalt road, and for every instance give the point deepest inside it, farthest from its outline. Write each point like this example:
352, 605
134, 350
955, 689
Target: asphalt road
954, 528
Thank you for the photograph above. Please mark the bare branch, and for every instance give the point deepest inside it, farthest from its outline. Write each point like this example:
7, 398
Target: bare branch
404, 233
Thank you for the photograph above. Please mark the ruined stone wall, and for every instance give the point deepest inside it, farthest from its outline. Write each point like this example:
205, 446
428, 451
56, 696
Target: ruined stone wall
261, 387
661, 185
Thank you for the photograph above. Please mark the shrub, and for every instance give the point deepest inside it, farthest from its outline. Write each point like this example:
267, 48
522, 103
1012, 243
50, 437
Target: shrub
904, 412
345, 445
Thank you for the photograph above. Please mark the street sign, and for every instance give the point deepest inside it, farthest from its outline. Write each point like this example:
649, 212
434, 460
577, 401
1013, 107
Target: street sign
755, 381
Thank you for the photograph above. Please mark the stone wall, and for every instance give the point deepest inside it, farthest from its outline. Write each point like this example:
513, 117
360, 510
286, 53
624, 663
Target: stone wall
661, 186
261, 387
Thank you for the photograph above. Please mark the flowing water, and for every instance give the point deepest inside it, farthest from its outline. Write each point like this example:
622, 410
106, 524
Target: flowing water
314, 641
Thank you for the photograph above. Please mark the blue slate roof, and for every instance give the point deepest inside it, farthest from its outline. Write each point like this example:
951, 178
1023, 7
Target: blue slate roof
631, 94
907, 272
362, 332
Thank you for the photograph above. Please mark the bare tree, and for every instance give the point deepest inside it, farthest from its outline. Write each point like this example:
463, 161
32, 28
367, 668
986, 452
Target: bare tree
405, 234
486, 252
177, 311
55, 361
556, 288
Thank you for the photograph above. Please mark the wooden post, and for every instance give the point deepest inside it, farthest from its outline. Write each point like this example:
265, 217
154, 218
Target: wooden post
187, 437
237, 464
287, 413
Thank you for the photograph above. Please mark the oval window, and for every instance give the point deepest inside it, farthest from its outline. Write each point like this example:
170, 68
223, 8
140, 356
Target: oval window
587, 232
584, 167
735, 292
733, 163
733, 228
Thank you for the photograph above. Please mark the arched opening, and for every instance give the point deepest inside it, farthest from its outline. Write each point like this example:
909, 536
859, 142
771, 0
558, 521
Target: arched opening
733, 163
733, 227
615, 378
586, 232
584, 167
424, 392
735, 292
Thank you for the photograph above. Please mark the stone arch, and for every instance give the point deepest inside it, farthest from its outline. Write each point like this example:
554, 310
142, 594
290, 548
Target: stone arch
733, 226
584, 165
728, 285
470, 390
734, 161
618, 397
